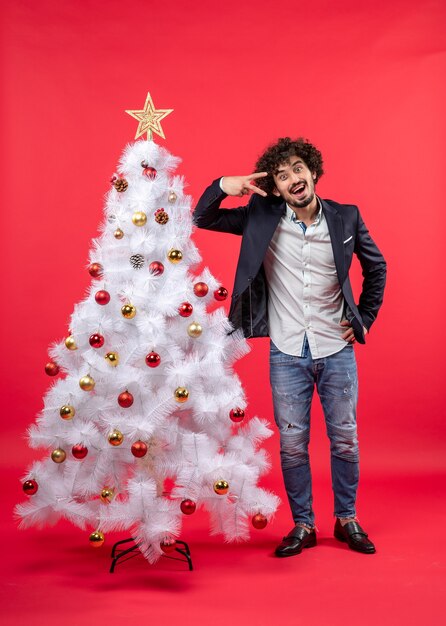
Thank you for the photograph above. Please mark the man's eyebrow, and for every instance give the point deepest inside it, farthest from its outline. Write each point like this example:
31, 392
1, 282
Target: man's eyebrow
279, 171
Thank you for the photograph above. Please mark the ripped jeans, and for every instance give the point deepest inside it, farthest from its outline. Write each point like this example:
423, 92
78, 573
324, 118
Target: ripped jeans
292, 380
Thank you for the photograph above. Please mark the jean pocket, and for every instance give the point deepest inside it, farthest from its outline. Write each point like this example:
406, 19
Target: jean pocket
276, 356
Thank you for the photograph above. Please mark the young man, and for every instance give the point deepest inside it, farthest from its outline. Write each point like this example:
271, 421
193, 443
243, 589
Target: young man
292, 284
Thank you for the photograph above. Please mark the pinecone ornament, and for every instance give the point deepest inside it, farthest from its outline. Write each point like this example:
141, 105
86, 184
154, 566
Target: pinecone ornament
161, 216
120, 184
137, 261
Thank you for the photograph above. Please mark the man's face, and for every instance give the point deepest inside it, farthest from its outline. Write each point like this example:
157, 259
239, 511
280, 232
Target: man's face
294, 182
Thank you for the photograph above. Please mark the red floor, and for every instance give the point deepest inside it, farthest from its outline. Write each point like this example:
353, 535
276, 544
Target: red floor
53, 576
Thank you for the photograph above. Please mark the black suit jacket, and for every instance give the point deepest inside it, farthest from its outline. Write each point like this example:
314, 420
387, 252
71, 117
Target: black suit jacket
257, 222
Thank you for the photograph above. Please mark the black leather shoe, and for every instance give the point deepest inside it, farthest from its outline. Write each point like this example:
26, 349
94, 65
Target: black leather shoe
295, 541
354, 536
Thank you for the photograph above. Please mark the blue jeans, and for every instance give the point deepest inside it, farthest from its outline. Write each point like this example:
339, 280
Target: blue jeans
292, 380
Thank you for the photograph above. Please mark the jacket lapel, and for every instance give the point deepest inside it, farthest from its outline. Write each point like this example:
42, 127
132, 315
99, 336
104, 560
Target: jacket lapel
262, 224
267, 224
272, 214
336, 230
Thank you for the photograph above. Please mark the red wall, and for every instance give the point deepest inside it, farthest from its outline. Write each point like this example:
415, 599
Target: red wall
364, 82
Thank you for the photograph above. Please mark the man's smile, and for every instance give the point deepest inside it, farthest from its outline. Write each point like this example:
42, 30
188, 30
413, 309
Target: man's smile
297, 190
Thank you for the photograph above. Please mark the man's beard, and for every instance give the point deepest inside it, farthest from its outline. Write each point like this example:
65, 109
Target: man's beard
299, 204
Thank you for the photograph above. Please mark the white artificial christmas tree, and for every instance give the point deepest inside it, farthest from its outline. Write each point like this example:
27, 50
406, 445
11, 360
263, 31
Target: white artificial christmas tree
147, 391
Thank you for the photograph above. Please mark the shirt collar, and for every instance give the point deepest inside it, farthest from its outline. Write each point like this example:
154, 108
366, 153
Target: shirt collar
292, 217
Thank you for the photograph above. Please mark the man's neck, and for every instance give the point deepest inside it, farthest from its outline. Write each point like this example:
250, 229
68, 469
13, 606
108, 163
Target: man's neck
307, 214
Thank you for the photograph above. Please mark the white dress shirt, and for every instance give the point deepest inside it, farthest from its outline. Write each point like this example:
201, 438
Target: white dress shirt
305, 297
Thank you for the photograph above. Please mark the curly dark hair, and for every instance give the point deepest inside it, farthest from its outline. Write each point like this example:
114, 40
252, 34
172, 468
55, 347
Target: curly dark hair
280, 152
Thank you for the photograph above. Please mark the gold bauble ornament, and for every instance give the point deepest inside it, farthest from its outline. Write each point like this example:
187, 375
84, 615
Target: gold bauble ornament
139, 218
181, 394
70, 343
115, 438
58, 455
112, 358
67, 412
172, 197
174, 255
118, 234
221, 487
107, 495
96, 539
128, 311
194, 330
86, 383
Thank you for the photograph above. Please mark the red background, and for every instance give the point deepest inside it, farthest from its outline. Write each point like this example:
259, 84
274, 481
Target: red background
365, 83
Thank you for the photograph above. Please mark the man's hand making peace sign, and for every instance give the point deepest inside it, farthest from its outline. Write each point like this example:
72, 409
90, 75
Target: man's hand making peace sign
242, 185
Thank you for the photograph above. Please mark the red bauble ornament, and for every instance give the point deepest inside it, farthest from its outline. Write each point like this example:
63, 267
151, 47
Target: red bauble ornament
52, 369
237, 414
200, 289
125, 399
139, 449
79, 451
221, 294
185, 309
30, 487
156, 268
168, 545
188, 507
102, 297
96, 270
153, 359
150, 172
96, 340
259, 521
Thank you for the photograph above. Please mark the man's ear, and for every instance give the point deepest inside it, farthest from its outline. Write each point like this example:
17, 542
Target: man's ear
314, 175
275, 192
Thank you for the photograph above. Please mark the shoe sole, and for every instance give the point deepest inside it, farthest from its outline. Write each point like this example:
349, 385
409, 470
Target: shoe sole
308, 545
344, 540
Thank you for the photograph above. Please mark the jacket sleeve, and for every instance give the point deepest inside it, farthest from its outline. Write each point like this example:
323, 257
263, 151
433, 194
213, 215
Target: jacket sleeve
207, 213
374, 273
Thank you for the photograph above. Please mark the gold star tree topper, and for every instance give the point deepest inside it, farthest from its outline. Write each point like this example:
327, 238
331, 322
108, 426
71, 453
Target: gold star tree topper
149, 119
